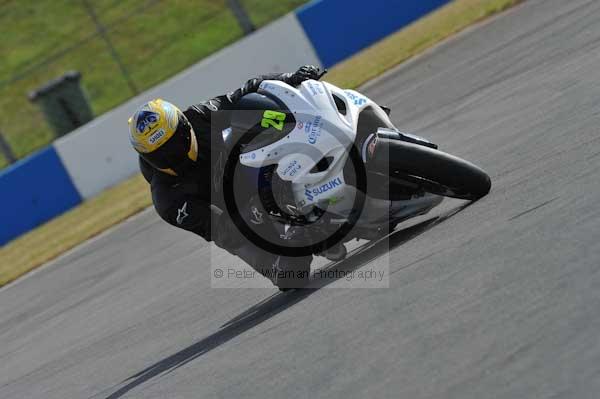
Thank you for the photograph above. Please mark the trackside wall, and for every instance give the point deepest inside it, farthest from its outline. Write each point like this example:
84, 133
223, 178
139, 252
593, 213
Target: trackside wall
34, 190
340, 28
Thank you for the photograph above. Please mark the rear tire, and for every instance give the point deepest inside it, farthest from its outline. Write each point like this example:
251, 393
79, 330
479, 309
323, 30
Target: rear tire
434, 171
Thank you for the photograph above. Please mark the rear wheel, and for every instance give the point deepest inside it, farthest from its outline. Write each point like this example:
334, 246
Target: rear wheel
432, 170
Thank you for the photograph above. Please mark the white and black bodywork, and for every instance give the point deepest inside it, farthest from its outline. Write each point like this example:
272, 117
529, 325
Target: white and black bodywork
309, 153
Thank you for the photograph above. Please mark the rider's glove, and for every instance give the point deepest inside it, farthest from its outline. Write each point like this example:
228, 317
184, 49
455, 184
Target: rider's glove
304, 73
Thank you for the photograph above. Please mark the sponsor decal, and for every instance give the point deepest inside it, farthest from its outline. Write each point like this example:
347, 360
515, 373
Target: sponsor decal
357, 100
300, 125
292, 168
146, 120
182, 214
313, 129
246, 157
257, 216
313, 193
156, 136
295, 170
308, 194
315, 88
307, 126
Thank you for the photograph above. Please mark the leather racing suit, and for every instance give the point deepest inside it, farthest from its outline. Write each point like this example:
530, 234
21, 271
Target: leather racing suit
189, 202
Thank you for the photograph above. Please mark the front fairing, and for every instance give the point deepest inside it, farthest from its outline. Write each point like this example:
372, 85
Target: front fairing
325, 127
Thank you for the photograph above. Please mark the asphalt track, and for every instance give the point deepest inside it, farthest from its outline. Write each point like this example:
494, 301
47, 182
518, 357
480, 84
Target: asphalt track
500, 299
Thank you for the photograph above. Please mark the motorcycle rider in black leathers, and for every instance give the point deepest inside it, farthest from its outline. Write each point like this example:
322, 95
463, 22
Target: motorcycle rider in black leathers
175, 151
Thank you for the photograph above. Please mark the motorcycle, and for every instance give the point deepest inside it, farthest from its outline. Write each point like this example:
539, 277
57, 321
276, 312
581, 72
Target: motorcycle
330, 163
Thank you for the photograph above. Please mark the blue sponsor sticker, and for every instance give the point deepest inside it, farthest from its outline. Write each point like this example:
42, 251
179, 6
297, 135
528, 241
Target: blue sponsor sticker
292, 169
357, 100
295, 170
245, 157
159, 134
308, 194
313, 129
315, 88
317, 191
307, 126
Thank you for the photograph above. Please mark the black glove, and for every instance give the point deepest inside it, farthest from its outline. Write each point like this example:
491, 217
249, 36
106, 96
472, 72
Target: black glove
304, 73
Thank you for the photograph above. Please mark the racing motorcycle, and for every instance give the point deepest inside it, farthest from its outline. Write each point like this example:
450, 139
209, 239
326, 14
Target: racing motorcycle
330, 164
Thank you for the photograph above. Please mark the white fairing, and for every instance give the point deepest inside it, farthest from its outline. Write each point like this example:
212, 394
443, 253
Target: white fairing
321, 132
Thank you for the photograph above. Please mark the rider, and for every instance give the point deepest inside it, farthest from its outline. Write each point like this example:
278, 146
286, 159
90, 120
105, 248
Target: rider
175, 158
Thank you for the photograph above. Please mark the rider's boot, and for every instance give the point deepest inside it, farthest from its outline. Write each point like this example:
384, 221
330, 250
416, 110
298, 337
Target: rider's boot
291, 272
285, 272
335, 253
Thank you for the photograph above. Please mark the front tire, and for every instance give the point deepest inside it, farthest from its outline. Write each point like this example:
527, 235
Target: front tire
432, 170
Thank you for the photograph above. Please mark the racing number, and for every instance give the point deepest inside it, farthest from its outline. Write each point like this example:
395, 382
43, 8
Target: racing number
274, 119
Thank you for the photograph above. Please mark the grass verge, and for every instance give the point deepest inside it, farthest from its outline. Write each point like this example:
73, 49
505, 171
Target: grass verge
41, 39
127, 198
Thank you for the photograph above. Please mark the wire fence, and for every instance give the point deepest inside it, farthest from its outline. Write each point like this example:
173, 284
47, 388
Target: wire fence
121, 47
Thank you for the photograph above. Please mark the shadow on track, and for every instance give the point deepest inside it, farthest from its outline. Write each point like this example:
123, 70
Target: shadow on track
279, 302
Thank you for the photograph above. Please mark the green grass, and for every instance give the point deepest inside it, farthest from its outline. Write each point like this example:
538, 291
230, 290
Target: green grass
154, 38
95, 215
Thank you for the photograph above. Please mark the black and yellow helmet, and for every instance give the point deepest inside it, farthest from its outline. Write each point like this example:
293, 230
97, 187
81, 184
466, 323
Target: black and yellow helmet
163, 136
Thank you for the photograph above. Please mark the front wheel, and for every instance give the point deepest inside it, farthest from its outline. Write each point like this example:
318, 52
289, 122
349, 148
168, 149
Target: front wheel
432, 170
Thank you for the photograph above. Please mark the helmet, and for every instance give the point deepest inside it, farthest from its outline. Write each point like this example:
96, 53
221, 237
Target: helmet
163, 137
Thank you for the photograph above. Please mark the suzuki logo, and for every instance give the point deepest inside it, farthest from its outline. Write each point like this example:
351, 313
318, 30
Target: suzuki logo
308, 194
330, 185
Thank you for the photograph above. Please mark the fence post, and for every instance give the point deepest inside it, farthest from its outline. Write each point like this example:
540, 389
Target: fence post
242, 16
101, 29
6, 150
